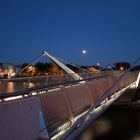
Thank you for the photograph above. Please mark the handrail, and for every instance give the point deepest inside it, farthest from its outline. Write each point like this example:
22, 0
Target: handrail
52, 80
47, 87
80, 121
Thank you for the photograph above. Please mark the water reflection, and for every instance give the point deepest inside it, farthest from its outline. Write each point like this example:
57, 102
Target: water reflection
9, 87
28, 85
115, 125
16, 86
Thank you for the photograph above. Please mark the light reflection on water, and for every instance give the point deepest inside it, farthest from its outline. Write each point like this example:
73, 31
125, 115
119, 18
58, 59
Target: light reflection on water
9, 87
115, 125
16, 86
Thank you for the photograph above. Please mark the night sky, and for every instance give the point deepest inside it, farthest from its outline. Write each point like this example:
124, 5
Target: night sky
109, 30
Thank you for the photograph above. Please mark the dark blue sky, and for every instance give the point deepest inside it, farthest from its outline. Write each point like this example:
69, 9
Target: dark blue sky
108, 29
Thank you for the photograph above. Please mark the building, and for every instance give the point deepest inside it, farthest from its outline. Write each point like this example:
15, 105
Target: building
7, 70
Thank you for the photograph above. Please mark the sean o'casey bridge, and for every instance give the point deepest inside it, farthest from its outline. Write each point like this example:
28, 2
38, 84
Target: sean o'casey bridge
59, 106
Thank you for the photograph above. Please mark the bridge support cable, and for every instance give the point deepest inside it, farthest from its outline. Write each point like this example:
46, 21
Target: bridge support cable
37, 58
73, 65
5, 81
107, 93
81, 120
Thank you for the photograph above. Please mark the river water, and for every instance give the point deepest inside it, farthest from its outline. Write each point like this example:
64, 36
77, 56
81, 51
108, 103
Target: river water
115, 124
16, 86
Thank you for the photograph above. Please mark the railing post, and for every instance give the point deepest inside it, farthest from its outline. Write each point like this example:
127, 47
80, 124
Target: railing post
47, 80
67, 104
29, 81
3, 86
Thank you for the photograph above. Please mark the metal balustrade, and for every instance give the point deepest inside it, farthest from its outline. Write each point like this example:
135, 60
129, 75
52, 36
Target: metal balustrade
23, 83
55, 111
69, 102
63, 102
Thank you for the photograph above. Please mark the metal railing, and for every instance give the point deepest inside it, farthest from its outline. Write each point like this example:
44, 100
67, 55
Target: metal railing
65, 99
23, 83
68, 102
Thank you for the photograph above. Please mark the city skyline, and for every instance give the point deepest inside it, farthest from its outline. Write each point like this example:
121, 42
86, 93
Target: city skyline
107, 30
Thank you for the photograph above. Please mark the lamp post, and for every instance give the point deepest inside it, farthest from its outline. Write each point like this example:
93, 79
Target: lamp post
98, 64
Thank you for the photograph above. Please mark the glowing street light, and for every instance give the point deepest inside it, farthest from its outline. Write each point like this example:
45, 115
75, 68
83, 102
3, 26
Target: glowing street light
121, 68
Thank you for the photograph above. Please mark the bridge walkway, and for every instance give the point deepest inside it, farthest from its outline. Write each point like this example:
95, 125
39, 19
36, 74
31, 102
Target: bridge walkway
63, 106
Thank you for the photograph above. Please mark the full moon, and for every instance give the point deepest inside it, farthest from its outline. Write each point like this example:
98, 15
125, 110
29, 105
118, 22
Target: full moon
84, 51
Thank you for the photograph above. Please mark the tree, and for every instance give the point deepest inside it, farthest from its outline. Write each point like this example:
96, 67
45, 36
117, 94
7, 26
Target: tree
122, 65
23, 73
24, 65
55, 69
42, 67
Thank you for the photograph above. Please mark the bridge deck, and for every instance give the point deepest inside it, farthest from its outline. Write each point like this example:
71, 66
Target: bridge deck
64, 103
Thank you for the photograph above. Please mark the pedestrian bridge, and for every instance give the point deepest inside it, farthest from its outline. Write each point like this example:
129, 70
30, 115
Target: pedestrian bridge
61, 107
